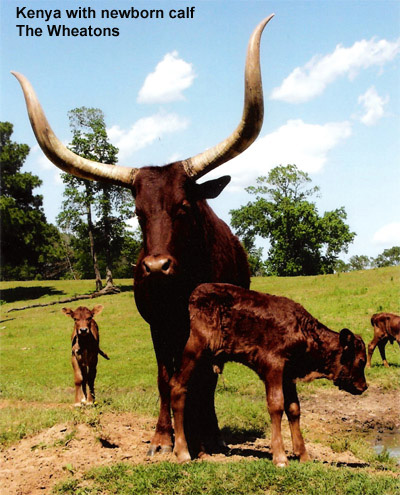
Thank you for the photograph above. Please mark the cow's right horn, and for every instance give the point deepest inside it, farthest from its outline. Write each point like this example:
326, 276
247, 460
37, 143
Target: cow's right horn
60, 155
253, 114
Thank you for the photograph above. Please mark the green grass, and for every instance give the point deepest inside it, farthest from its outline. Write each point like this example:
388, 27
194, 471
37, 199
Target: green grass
36, 380
236, 478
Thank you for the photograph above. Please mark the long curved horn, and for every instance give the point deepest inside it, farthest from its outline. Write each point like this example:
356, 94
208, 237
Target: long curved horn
252, 118
60, 155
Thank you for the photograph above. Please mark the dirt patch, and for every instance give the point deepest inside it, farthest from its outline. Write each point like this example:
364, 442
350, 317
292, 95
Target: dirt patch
36, 464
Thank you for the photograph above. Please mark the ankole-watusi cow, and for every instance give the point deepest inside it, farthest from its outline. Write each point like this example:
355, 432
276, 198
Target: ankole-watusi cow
184, 243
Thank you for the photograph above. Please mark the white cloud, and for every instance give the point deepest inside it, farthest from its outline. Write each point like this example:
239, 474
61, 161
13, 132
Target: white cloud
388, 235
306, 82
144, 132
373, 106
45, 164
170, 78
296, 142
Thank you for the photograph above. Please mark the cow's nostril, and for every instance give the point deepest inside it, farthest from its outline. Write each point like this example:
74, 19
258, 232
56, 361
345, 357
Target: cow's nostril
166, 266
146, 267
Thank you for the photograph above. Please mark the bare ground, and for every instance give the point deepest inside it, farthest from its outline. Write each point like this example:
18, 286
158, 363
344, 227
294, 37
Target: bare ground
36, 464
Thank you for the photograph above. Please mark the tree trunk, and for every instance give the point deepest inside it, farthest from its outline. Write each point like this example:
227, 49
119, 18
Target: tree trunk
107, 236
93, 253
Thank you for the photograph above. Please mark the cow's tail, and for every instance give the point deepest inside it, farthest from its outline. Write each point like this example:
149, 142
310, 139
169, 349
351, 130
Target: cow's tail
103, 354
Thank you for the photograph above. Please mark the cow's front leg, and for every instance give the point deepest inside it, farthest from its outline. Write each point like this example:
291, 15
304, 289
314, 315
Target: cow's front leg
292, 409
275, 403
162, 439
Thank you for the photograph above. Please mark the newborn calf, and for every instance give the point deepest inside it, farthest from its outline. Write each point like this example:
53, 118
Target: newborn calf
85, 349
279, 340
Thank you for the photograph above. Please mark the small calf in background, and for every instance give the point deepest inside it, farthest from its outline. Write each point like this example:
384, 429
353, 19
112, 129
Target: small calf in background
386, 328
279, 340
85, 349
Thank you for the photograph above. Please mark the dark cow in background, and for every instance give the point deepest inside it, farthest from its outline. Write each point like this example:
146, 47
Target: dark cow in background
85, 342
279, 340
184, 242
386, 329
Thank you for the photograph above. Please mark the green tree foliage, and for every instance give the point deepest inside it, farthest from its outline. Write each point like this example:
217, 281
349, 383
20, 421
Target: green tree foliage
301, 241
30, 247
93, 213
359, 262
389, 257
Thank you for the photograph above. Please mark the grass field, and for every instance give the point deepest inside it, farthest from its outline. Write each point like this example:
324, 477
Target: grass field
36, 378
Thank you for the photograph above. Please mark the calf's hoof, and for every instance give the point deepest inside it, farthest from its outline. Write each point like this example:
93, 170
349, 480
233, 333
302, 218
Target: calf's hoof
163, 449
281, 462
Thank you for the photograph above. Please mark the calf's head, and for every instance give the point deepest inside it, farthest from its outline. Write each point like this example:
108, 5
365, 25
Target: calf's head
349, 372
82, 317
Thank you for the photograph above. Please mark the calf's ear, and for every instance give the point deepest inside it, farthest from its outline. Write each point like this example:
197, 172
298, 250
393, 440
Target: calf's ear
97, 309
68, 311
346, 338
212, 188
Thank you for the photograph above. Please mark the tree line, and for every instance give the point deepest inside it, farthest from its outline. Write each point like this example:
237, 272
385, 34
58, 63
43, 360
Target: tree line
93, 240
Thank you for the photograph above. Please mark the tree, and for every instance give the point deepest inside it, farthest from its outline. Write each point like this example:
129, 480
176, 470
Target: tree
359, 262
302, 241
29, 245
94, 212
389, 257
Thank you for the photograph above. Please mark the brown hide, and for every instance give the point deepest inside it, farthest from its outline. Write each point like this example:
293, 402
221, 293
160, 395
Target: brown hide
386, 329
275, 337
191, 245
85, 342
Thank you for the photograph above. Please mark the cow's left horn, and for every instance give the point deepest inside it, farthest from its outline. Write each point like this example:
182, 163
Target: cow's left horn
60, 155
252, 118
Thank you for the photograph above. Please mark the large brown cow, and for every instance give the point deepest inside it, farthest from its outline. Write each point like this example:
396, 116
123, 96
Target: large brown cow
185, 243
275, 337
386, 329
85, 341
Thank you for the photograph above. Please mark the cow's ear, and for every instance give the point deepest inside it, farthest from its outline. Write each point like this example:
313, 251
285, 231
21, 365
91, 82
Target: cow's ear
68, 311
346, 338
97, 309
212, 188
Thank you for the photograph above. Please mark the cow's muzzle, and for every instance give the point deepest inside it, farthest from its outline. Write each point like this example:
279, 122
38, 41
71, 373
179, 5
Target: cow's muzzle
161, 264
83, 331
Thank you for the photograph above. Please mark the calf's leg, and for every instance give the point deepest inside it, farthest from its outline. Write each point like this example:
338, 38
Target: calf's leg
91, 378
371, 348
292, 409
78, 380
179, 386
275, 403
381, 346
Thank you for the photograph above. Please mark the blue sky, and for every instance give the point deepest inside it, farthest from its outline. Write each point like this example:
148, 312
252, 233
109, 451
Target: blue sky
171, 88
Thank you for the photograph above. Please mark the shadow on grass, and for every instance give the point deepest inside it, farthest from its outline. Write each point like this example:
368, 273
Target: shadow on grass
27, 293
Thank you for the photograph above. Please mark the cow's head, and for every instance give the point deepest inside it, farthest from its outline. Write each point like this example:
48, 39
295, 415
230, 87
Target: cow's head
165, 196
349, 373
82, 317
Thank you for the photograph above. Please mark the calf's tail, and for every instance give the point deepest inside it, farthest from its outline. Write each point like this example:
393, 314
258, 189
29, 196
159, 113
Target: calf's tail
103, 354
